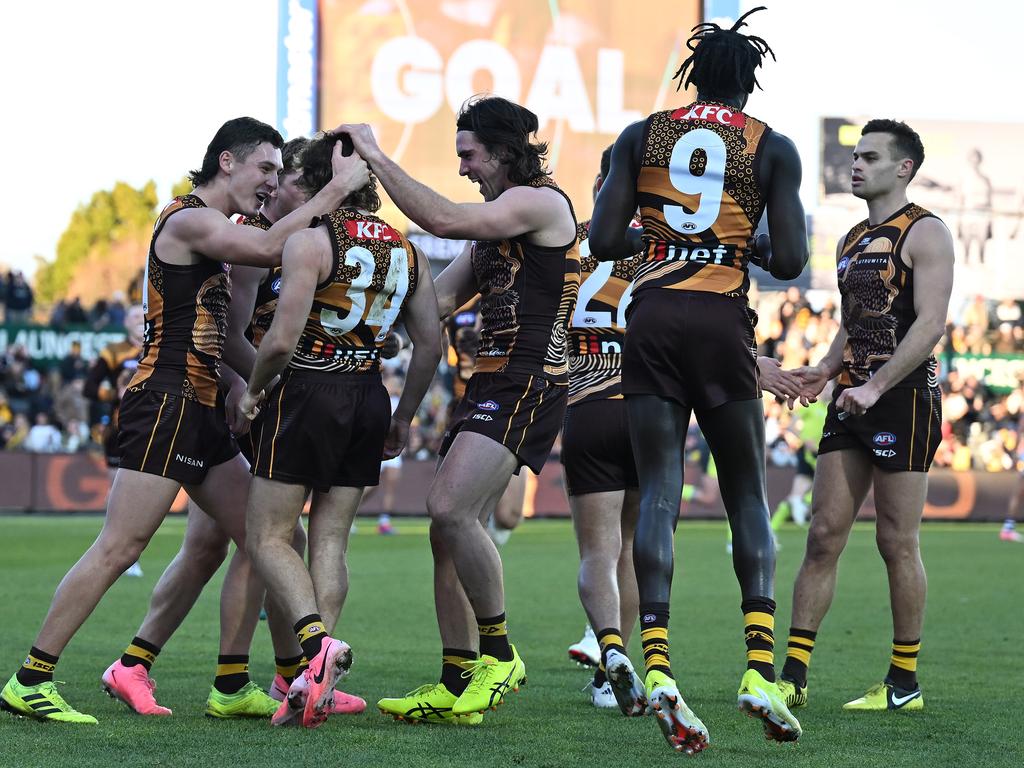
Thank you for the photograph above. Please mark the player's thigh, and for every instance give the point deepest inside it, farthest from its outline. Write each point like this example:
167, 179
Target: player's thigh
224, 494
273, 510
137, 504
472, 477
899, 503
596, 519
841, 481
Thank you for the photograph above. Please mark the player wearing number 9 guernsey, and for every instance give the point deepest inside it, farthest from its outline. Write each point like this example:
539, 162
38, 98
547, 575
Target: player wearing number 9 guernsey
328, 421
702, 176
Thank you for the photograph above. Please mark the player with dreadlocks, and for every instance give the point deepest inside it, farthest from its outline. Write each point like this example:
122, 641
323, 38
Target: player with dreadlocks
702, 176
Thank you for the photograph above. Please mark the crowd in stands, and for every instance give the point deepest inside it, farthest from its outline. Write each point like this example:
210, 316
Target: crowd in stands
49, 410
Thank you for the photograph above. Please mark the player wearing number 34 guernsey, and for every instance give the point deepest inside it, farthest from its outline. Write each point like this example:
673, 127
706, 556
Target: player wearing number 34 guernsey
328, 421
702, 176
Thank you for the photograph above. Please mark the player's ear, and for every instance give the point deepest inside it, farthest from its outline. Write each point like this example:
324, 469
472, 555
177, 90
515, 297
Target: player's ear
905, 168
226, 161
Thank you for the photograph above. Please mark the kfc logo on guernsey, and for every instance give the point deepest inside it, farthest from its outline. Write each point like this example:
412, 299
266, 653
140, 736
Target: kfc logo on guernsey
371, 230
712, 113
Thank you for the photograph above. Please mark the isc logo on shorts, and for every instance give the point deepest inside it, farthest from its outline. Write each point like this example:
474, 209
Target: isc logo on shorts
488, 405
482, 417
884, 438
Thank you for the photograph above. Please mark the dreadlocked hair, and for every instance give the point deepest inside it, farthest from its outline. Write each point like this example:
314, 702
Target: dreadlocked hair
723, 60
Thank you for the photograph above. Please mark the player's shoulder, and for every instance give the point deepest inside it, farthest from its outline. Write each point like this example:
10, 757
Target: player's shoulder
926, 229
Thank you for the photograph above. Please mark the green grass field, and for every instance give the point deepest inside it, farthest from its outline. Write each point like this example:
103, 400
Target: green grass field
969, 669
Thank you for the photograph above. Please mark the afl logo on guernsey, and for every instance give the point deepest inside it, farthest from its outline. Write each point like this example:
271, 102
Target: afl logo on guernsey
489, 405
275, 286
884, 438
843, 264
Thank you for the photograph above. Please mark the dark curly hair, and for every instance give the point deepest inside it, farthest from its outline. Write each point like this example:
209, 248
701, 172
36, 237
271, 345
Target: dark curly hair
504, 128
291, 154
724, 61
239, 137
317, 171
905, 141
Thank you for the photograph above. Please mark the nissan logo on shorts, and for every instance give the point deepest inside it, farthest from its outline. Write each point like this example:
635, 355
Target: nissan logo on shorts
884, 438
489, 405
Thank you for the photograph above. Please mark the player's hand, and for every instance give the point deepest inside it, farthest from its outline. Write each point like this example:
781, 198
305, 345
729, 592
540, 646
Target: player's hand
392, 346
761, 251
249, 405
398, 436
782, 384
237, 422
813, 379
856, 400
350, 173
363, 140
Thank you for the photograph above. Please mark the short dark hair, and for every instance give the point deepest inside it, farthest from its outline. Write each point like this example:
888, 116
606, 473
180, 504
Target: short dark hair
317, 171
904, 140
724, 61
504, 128
291, 154
606, 161
239, 137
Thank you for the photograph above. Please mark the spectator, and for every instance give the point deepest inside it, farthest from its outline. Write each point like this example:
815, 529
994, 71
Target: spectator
74, 314
43, 437
14, 434
18, 298
73, 367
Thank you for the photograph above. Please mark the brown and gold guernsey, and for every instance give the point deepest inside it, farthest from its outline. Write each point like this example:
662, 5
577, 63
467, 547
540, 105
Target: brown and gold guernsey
877, 290
186, 310
700, 198
528, 293
354, 308
267, 293
598, 330
463, 341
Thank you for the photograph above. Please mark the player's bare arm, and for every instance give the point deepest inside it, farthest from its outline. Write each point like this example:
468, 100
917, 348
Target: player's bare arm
611, 237
306, 260
456, 284
420, 316
517, 211
238, 351
929, 250
207, 231
786, 222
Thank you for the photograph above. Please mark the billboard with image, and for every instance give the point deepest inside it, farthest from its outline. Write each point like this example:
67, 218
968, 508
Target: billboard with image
587, 68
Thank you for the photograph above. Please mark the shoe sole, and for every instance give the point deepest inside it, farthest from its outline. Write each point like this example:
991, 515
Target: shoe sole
317, 708
630, 697
581, 658
774, 730
680, 735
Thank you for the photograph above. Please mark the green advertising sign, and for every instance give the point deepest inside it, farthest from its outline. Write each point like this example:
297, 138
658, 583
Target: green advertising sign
48, 346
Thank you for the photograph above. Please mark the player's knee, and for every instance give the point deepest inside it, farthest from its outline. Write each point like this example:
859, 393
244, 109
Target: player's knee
119, 554
824, 543
445, 513
896, 547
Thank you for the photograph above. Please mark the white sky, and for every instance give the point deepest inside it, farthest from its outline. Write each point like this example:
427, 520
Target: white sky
134, 89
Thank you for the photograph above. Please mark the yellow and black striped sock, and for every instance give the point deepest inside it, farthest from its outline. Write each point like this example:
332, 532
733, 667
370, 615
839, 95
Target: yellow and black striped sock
759, 631
494, 637
455, 661
903, 663
654, 636
608, 639
232, 673
311, 633
288, 668
140, 653
798, 655
37, 668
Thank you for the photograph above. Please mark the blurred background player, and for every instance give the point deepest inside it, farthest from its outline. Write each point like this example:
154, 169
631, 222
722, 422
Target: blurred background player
690, 304
797, 503
883, 426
